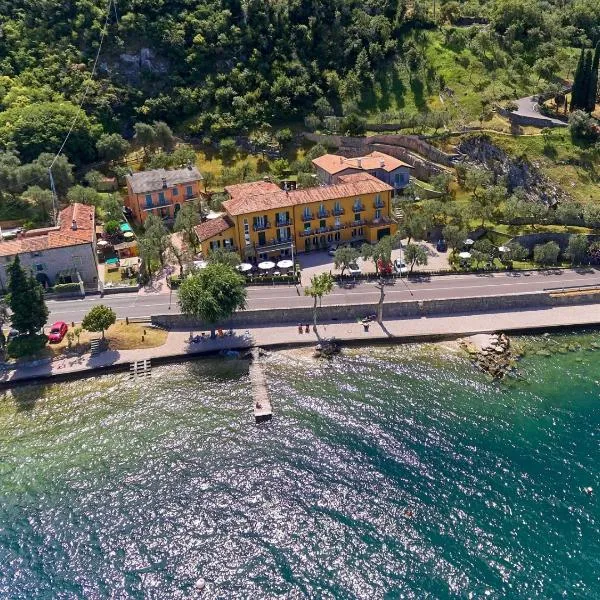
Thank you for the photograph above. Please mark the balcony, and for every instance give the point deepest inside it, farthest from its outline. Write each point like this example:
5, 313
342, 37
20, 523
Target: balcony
261, 226
380, 221
308, 216
337, 212
379, 204
358, 207
323, 214
284, 223
346, 225
274, 243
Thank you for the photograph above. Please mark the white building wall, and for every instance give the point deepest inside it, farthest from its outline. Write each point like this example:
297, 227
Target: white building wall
55, 260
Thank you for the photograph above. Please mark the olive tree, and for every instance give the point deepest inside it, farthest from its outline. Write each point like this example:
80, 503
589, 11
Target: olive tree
320, 285
99, 318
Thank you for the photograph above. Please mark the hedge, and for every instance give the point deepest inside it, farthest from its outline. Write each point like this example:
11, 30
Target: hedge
65, 288
273, 279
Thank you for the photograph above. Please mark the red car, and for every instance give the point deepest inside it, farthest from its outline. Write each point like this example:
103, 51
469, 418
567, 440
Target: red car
384, 268
57, 332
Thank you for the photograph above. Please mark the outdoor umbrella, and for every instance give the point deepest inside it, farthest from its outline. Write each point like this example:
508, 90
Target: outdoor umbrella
128, 235
244, 267
503, 249
469, 242
266, 265
285, 264
464, 255
200, 264
102, 243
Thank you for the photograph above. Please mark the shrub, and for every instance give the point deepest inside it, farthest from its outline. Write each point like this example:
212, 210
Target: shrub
26, 345
66, 288
111, 227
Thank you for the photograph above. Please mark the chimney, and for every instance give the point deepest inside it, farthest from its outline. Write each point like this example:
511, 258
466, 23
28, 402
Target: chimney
189, 165
341, 159
74, 225
382, 163
359, 160
164, 183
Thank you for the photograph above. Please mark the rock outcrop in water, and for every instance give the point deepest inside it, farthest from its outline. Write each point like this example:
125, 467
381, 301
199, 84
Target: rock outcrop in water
494, 356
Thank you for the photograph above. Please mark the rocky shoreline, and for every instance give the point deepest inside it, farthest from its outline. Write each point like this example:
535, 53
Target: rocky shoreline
492, 354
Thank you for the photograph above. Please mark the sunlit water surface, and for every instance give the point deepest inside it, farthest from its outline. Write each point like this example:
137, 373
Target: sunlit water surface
386, 473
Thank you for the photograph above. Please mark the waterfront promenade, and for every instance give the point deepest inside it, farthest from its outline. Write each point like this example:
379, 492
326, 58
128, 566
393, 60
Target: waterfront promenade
178, 347
422, 287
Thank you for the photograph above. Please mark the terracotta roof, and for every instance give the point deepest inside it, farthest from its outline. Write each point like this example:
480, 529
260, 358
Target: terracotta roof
212, 227
156, 179
253, 188
333, 163
348, 187
60, 236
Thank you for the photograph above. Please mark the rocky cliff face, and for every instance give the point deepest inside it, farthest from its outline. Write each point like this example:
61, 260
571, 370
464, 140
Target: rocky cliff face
518, 171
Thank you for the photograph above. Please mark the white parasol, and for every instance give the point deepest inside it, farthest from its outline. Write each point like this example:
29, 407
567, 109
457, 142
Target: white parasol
464, 255
266, 265
285, 264
244, 267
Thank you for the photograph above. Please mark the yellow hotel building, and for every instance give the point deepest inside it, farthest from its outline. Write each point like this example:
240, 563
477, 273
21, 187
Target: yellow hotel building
261, 221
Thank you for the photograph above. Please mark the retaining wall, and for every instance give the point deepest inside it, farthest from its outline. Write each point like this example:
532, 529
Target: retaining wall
395, 310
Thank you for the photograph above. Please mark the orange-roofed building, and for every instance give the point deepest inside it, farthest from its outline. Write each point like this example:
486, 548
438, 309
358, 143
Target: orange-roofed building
262, 221
390, 170
66, 252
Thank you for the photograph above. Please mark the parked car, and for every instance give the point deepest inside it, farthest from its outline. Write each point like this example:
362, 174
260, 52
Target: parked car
441, 245
384, 268
400, 267
57, 332
332, 249
353, 269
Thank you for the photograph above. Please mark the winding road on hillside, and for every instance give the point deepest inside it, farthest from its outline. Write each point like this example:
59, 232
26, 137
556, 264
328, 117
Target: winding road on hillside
273, 297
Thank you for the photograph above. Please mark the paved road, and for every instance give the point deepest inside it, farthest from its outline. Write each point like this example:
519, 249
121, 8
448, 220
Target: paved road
447, 286
528, 107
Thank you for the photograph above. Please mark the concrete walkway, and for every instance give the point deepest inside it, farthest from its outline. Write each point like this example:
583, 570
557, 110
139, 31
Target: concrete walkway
401, 330
528, 107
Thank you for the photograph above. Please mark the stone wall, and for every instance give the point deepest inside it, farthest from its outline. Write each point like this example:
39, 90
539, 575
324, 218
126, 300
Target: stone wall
395, 310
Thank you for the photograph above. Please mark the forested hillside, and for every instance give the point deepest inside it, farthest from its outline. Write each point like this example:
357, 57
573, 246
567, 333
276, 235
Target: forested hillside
219, 67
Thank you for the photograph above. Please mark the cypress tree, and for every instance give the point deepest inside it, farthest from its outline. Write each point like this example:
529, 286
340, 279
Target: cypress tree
586, 81
593, 88
576, 92
26, 300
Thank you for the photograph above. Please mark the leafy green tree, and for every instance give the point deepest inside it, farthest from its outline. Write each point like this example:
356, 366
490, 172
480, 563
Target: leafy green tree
157, 235
212, 294
84, 195
280, 167
163, 136
228, 149
26, 300
582, 126
415, 254
455, 236
99, 318
94, 178
145, 137
345, 256
186, 221
42, 202
36, 173
42, 127
226, 257
577, 249
517, 252
546, 254
591, 215
353, 124
183, 155
111, 227
111, 207
320, 285
112, 147
569, 213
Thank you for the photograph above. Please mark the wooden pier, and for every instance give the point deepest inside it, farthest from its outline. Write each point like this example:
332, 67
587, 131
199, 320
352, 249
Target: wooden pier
260, 393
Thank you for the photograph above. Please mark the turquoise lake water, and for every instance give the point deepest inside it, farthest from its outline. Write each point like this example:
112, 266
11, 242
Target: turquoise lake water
387, 473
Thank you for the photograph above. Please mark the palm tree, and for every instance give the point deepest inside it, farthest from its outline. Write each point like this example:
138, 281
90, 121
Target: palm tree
320, 285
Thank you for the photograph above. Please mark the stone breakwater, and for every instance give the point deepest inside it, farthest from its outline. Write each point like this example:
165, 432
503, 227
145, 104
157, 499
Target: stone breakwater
491, 353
